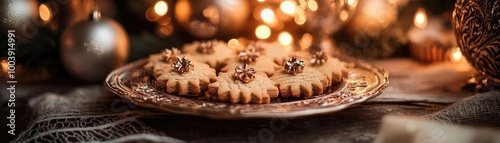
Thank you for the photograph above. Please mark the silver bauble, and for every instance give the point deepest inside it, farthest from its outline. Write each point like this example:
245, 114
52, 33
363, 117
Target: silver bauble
21, 16
207, 18
92, 49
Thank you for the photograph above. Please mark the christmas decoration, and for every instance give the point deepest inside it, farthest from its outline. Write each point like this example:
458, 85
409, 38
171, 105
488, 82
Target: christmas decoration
207, 47
319, 58
243, 73
21, 16
91, 49
64, 14
171, 55
204, 19
294, 66
477, 31
182, 65
250, 55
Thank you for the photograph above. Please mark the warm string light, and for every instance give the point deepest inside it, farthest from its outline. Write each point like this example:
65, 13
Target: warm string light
312, 5
288, 7
420, 19
44, 12
285, 39
235, 44
267, 15
161, 8
262, 32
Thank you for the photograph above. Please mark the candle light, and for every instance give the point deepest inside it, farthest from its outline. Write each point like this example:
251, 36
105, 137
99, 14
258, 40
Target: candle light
420, 19
455, 54
429, 41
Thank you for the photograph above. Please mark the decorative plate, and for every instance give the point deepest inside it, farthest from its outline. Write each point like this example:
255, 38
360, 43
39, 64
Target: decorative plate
362, 82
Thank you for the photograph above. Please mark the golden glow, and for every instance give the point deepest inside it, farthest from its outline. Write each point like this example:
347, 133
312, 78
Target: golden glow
456, 55
420, 19
312, 5
161, 8
212, 13
352, 3
344, 15
235, 44
300, 17
306, 41
285, 38
44, 12
263, 32
267, 15
288, 7
261, 0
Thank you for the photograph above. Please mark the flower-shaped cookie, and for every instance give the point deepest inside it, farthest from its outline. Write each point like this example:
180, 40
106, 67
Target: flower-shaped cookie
332, 68
228, 89
214, 52
185, 80
307, 83
163, 59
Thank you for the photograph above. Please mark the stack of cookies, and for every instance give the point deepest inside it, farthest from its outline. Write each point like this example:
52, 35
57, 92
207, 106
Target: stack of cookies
256, 74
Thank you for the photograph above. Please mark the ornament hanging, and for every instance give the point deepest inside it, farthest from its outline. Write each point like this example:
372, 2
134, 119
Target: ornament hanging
91, 49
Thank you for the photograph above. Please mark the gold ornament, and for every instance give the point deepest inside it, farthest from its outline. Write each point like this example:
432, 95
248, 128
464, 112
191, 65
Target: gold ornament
319, 57
170, 55
249, 55
207, 47
243, 73
182, 65
294, 66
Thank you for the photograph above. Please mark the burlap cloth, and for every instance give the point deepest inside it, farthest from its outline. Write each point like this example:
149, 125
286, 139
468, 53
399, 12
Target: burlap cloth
481, 110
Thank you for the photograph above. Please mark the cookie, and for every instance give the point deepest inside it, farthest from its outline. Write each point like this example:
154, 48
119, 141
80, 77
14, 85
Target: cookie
228, 89
274, 51
184, 77
214, 52
162, 59
299, 81
262, 65
329, 66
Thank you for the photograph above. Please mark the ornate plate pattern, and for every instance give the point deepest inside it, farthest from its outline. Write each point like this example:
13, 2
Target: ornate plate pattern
362, 82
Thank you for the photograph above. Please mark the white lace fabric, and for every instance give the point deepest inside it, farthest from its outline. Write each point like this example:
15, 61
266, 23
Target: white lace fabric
88, 114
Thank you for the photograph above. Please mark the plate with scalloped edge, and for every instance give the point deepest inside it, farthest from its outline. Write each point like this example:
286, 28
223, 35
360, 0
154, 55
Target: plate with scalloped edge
363, 81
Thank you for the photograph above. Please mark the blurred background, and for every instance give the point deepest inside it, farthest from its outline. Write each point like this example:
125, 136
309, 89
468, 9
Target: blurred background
365, 29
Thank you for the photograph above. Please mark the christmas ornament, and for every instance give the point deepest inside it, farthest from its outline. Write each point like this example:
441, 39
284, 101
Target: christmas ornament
250, 55
319, 58
477, 31
243, 73
67, 13
91, 49
294, 66
182, 65
204, 19
21, 16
